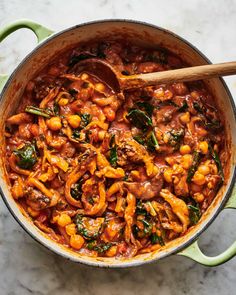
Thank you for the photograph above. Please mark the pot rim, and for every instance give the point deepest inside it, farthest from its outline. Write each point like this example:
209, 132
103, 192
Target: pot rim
122, 263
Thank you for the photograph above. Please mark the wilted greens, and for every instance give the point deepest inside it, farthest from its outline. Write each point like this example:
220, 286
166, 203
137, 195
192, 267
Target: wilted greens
27, 156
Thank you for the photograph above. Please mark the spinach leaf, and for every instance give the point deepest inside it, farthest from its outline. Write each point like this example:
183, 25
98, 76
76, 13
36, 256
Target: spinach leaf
125, 73
175, 138
194, 214
183, 107
147, 107
72, 91
76, 134
101, 248
27, 156
208, 121
101, 48
126, 177
152, 142
213, 124
155, 239
196, 160
113, 156
38, 111
84, 228
91, 244
76, 58
85, 120
139, 119
146, 221
87, 136
76, 190
216, 159
147, 227
56, 109
135, 230
198, 108
160, 56
113, 151
140, 210
139, 138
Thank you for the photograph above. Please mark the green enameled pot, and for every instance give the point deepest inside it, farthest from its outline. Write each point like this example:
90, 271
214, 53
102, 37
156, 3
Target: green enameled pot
50, 44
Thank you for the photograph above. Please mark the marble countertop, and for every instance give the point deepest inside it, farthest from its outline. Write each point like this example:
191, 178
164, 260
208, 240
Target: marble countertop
26, 267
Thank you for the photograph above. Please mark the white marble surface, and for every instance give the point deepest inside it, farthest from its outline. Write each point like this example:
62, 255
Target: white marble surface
27, 268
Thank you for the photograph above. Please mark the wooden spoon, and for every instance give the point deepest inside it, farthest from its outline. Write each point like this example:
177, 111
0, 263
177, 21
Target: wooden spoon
118, 82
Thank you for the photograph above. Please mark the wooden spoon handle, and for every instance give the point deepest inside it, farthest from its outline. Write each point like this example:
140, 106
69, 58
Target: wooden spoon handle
179, 75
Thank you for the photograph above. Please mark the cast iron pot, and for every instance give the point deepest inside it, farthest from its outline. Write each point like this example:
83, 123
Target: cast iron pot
140, 33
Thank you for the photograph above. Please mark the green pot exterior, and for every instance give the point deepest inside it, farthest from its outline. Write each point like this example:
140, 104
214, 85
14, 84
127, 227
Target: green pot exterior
40, 31
194, 252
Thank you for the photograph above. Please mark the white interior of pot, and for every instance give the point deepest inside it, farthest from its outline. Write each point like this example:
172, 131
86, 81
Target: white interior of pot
139, 34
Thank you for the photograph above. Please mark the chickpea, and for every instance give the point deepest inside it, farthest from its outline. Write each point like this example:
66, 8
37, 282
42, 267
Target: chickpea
54, 123
203, 146
198, 197
198, 178
177, 168
99, 87
74, 120
109, 113
112, 251
64, 219
168, 94
166, 137
204, 169
101, 134
185, 149
168, 175
63, 101
84, 76
186, 161
86, 93
158, 93
210, 185
71, 229
76, 242
155, 171
185, 118
195, 94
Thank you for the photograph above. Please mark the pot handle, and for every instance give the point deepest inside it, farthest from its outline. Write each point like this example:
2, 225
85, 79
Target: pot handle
40, 31
194, 252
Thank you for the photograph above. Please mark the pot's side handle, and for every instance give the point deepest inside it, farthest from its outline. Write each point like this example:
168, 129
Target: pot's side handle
40, 31
194, 252
3, 80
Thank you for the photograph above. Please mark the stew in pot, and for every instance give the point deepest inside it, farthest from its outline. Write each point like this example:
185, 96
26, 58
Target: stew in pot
109, 174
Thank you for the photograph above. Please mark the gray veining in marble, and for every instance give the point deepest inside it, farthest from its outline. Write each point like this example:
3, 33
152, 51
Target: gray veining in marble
27, 268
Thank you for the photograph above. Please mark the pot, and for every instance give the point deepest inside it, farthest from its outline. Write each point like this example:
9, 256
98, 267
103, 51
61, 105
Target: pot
140, 33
